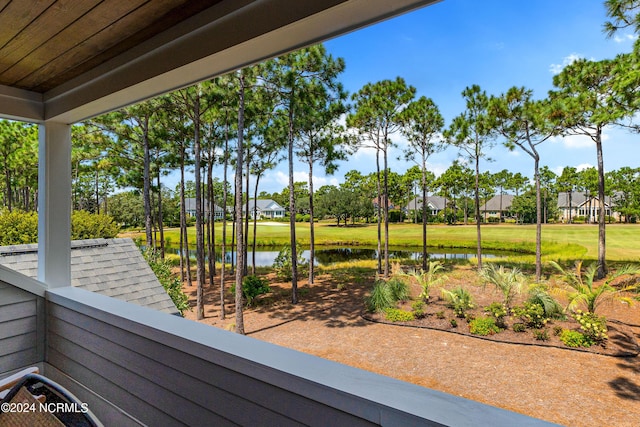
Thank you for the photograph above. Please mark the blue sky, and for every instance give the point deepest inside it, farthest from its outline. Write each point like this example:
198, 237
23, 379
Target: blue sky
443, 48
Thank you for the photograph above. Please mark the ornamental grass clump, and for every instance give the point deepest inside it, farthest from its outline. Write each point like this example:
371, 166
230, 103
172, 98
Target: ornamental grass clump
380, 298
399, 289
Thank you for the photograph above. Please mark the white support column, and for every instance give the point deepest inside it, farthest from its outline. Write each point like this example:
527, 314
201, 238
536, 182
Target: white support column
54, 204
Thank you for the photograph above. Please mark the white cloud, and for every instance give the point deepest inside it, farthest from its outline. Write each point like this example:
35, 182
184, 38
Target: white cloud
581, 141
567, 60
280, 180
584, 166
625, 38
573, 141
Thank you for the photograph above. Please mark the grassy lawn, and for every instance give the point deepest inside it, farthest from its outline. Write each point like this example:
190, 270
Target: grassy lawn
559, 241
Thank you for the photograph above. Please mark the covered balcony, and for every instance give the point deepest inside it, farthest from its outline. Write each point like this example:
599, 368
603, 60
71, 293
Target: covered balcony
64, 62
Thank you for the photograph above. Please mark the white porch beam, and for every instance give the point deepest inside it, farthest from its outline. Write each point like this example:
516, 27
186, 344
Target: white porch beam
22, 105
54, 204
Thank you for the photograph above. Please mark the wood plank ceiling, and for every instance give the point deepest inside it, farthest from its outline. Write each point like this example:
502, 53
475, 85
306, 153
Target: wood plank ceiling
44, 43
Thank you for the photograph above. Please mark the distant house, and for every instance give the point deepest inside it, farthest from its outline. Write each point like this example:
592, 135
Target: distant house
587, 206
376, 203
436, 204
190, 208
497, 206
265, 208
111, 267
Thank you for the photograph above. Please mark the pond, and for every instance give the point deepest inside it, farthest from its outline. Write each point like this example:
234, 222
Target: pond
325, 256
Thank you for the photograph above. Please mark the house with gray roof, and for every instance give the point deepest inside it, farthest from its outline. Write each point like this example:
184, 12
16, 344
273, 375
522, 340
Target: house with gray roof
111, 267
190, 208
576, 204
265, 208
436, 204
497, 207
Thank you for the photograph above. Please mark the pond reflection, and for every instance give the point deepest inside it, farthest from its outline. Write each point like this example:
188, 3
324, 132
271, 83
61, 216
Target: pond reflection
327, 256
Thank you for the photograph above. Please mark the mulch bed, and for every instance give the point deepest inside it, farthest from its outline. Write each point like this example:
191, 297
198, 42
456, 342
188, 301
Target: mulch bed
546, 380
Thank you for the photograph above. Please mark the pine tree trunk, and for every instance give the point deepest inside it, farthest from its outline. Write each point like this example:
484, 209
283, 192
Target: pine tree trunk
312, 249
292, 211
425, 206
478, 217
223, 250
200, 270
386, 214
160, 218
211, 249
255, 226
379, 210
538, 220
147, 183
238, 211
602, 262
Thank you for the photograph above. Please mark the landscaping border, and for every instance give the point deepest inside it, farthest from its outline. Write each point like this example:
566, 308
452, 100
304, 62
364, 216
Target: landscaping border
493, 338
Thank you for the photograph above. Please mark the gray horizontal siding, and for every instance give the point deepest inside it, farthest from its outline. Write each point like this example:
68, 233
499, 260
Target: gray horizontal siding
165, 370
21, 328
165, 386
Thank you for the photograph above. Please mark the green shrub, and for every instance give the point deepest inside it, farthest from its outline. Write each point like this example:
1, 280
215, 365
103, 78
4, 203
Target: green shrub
594, 327
395, 215
85, 225
380, 298
454, 323
574, 339
498, 311
397, 315
519, 327
440, 315
17, 227
459, 299
172, 285
282, 263
532, 314
399, 289
483, 326
418, 309
541, 334
252, 286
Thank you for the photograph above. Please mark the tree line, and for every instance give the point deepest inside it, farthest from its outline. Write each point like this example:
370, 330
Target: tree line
291, 107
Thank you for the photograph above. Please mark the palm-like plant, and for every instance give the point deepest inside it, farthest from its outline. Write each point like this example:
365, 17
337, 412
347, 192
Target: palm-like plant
582, 290
509, 283
539, 294
428, 279
459, 299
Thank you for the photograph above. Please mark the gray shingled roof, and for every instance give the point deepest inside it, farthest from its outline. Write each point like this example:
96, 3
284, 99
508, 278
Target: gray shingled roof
111, 267
579, 198
190, 205
436, 201
494, 203
264, 205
